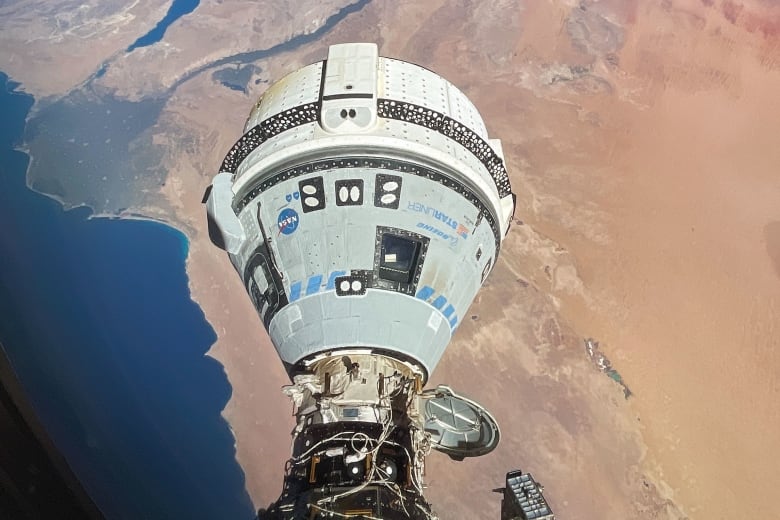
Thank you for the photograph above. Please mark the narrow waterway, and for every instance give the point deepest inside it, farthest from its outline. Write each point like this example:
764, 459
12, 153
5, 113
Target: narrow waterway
95, 314
178, 9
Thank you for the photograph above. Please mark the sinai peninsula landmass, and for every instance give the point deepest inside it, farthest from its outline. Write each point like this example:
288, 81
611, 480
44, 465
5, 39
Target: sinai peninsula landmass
627, 340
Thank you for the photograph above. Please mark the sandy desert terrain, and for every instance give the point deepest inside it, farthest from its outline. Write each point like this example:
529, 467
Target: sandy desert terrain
641, 142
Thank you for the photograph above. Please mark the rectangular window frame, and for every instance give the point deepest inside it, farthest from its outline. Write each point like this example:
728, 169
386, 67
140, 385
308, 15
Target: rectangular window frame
404, 281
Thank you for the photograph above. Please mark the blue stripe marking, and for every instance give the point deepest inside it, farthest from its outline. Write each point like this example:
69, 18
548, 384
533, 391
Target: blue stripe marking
425, 293
332, 279
313, 287
439, 302
295, 291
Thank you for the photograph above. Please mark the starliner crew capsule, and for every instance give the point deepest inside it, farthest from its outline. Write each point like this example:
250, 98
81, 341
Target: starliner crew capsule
363, 208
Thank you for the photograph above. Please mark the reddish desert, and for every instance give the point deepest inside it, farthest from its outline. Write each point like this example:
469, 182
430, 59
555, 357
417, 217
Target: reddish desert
642, 143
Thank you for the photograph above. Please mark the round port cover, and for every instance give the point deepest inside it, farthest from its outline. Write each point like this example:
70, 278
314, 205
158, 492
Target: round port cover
458, 426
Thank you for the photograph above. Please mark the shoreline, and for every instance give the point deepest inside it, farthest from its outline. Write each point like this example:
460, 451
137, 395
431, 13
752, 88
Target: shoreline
85, 371
129, 214
189, 237
201, 291
179, 228
643, 230
199, 295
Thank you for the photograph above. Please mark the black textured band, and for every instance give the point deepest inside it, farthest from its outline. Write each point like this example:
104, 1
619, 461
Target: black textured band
266, 129
458, 132
387, 108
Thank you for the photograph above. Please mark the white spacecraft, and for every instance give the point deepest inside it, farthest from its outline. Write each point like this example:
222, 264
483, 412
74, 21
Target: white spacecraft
363, 208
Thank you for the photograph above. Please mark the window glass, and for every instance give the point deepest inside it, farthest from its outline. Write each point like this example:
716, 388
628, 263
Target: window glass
398, 258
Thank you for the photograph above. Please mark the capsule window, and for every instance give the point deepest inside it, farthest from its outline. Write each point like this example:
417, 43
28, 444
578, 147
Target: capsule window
398, 258
349, 192
312, 194
387, 191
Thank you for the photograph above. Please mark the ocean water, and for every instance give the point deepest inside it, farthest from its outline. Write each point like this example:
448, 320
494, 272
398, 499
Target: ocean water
178, 9
96, 318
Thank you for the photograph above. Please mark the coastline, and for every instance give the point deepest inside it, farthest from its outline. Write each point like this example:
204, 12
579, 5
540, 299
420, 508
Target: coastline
186, 232
625, 244
552, 363
141, 214
80, 385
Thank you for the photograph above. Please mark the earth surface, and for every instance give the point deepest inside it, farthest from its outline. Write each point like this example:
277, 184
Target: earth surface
641, 141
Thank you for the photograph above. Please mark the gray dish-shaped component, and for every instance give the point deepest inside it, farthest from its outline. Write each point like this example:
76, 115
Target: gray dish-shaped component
458, 426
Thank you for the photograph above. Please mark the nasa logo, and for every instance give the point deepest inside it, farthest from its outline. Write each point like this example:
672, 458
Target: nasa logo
287, 221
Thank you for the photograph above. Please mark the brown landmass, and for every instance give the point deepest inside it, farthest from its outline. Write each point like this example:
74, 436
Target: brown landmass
640, 140
56, 45
232, 27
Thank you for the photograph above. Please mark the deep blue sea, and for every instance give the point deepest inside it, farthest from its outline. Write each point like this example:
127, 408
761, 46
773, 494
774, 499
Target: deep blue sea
96, 318
178, 9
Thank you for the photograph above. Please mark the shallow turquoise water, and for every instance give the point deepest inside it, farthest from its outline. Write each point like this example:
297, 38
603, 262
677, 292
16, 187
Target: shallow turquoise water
96, 318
